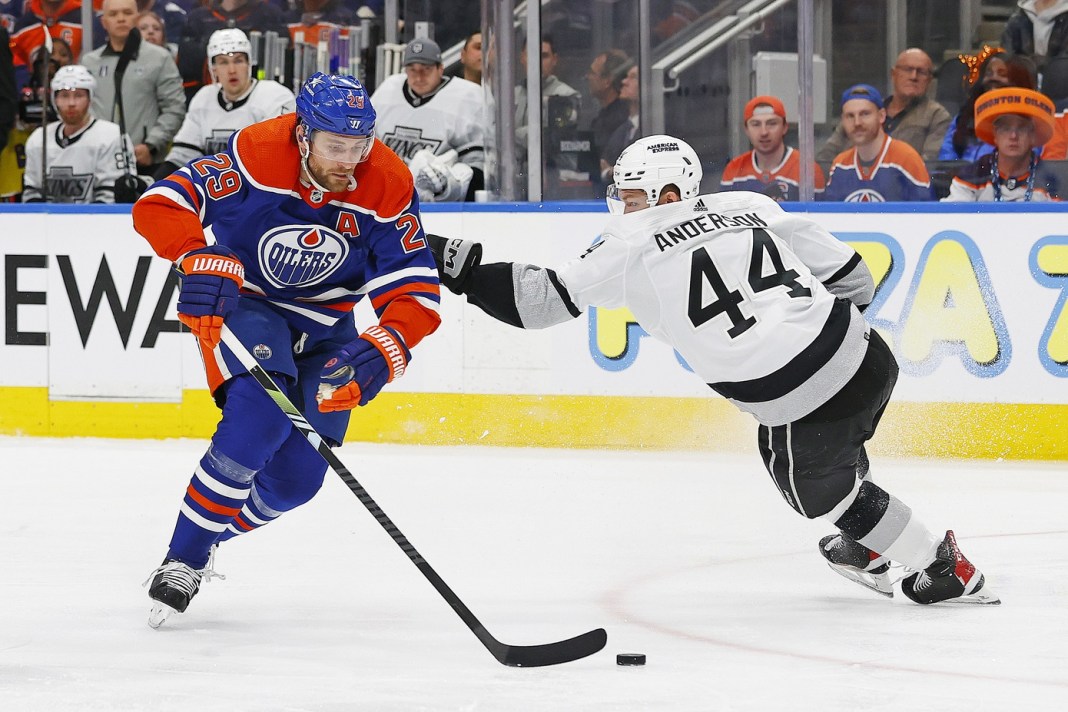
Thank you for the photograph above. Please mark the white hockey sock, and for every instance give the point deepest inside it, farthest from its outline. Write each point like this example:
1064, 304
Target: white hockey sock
915, 546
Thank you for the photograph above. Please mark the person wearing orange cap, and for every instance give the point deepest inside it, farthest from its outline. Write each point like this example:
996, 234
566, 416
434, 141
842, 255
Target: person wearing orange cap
771, 167
1017, 122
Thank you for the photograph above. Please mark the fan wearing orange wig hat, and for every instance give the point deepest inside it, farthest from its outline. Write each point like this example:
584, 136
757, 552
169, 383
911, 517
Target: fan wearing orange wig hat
1017, 122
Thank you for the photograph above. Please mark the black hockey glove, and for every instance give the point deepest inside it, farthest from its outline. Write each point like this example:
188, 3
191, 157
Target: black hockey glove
455, 258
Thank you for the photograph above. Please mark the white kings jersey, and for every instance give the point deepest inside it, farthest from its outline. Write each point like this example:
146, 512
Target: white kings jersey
450, 117
211, 119
740, 289
81, 168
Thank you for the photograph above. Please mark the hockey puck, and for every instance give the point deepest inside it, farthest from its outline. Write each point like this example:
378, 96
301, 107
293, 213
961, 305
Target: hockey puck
630, 659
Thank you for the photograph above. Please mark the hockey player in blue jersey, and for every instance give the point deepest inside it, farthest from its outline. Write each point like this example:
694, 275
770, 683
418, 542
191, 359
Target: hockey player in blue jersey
309, 214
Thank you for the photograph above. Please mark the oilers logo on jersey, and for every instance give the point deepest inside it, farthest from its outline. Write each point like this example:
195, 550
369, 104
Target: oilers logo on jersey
865, 195
301, 255
406, 142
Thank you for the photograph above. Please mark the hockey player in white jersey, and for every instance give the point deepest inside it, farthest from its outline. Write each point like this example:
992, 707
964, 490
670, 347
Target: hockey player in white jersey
765, 307
84, 156
234, 101
434, 123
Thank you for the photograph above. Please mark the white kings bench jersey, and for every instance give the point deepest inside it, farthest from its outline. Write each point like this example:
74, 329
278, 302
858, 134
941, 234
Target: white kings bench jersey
81, 168
743, 291
449, 117
211, 119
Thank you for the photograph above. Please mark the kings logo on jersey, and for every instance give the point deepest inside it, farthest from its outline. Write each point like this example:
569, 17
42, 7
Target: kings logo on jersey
218, 141
66, 186
301, 255
406, 142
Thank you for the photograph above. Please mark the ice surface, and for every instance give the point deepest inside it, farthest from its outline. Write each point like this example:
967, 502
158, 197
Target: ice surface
692, 559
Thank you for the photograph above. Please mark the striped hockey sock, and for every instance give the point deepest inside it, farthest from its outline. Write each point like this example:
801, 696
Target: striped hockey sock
253, 515
215, 496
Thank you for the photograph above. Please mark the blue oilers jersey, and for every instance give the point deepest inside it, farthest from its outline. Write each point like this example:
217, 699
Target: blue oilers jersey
310, 254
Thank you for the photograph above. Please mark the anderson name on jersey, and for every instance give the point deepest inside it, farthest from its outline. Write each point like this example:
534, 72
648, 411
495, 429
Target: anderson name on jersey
449, 117
211, 119
82, 168
759, 302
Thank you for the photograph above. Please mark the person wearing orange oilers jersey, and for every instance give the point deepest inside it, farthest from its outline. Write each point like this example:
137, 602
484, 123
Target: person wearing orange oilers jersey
771, 167
309, 214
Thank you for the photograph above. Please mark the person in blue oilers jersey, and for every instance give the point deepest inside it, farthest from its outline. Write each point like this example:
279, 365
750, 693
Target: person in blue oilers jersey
765, 307
309, 214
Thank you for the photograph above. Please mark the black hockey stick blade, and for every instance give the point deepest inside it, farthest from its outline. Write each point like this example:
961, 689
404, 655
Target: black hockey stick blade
563, 651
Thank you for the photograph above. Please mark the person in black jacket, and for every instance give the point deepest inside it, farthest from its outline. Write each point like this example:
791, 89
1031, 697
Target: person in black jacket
1038, 29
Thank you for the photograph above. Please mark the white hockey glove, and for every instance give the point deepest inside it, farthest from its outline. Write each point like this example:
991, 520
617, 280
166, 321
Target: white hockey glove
440, 179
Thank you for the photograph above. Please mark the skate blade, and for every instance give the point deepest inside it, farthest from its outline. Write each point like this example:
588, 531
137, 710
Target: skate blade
982, 597
879, 583
159, 614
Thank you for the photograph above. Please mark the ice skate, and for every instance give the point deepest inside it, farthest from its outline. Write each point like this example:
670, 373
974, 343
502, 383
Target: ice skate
857, 563
951, 578
173, 586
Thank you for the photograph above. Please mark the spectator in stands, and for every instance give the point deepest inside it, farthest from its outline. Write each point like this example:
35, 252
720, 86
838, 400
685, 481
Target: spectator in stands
82, 151
1038, 29
434, 123
246, 15
154, 31
318, 19
171, 14
605, 79
990, 69
153, 104
564, 100
1056, 149
877, 168
1016, 122
471, 58
234, 101
9, 12
33, 108
911, 116
63, 18
627, 132
771, 167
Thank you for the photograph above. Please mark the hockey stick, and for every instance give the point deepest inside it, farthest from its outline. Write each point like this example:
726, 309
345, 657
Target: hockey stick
563, 651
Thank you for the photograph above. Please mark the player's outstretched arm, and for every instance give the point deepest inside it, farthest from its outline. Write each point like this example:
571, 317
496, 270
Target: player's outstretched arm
526, 296
834, 263
455, 258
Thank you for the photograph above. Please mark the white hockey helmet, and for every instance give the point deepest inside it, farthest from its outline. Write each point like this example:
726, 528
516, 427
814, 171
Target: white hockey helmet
228, 41
651, 164
73, 76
